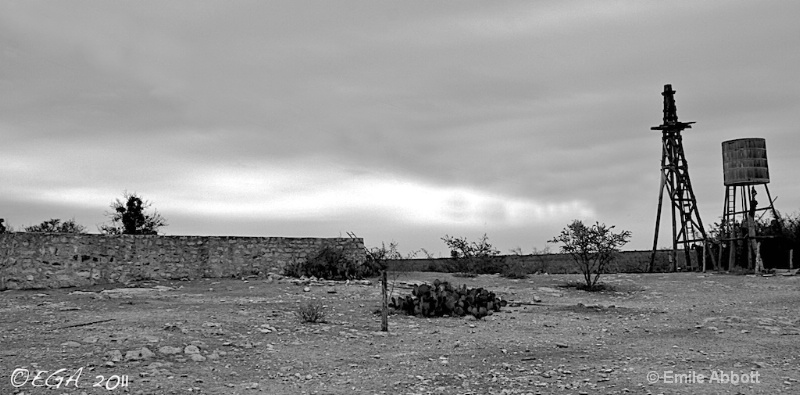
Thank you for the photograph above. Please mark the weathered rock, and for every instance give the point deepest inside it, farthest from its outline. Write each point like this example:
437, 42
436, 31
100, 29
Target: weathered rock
169, 350
191, 349
140, 354
198, 358
70, 344
115, 355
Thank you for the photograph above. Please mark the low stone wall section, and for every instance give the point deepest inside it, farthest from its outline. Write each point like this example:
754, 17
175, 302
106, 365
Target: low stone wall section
41, 260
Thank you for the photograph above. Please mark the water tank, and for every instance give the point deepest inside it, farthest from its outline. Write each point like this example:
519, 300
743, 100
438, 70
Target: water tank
744, 161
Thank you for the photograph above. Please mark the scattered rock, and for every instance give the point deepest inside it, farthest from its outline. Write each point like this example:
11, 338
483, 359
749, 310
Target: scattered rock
198, 358
115, 355
306, 289
169, 350
140, 354
191, 349
70, 344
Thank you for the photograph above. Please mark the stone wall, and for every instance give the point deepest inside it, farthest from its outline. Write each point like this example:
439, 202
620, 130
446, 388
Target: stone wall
624, 262
41, 260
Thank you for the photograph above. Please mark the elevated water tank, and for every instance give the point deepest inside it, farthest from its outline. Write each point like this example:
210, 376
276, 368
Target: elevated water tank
744, 161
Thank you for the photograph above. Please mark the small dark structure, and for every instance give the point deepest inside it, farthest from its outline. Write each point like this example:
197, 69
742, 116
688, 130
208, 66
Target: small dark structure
687, 227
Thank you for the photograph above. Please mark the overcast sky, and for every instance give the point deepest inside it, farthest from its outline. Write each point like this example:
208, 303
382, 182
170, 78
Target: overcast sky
395, 120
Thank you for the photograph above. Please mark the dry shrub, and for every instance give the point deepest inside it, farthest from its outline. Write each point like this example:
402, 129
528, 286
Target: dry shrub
311, 312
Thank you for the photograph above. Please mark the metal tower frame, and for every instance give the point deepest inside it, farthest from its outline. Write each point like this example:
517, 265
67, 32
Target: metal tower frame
675, 179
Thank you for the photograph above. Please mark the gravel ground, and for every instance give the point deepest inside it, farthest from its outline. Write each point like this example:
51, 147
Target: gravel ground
234, 336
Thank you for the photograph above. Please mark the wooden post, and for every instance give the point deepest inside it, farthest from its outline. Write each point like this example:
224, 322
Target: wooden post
791, 263
759, 262
658, 214
385, 308
705, 246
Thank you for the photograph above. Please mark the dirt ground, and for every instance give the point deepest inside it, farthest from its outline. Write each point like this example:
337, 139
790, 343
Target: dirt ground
231, 336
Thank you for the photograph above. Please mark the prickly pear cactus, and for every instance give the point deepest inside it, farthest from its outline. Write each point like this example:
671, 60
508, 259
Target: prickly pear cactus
441, 299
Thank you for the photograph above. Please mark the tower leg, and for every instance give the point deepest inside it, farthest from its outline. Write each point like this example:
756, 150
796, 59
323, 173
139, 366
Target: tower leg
658, 222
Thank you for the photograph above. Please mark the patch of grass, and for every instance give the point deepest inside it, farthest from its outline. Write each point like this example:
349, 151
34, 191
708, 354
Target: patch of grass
311, 312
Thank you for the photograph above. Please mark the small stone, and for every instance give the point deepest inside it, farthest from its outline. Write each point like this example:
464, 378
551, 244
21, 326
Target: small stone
198, 358
70, 344
306, 289
90, 340
140, 354
115, 355
169, 350
146, 353
191, 349
561, 345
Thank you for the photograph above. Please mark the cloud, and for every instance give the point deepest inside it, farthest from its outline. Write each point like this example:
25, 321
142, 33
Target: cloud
428, 117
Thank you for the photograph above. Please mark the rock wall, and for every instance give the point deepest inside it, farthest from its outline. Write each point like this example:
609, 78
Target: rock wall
41, 260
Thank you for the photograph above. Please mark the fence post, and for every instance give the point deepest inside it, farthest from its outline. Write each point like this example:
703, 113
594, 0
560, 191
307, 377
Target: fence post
705, 250
385, 307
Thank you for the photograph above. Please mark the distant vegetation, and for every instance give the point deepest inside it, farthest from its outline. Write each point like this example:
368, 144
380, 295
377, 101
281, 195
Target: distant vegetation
471, 258
56, 226
331, 264
129, 217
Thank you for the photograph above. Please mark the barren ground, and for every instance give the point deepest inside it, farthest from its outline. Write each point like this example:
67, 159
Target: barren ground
247, 339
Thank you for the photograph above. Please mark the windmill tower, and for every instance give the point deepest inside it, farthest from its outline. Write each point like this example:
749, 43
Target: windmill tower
687, 227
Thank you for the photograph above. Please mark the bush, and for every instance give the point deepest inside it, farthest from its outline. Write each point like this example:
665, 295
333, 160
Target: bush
591, 247
329, 264
56, 226
311, 312
294, 268
470, 257
514, 270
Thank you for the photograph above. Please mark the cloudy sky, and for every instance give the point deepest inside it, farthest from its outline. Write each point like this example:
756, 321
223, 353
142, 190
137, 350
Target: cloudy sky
395, 120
